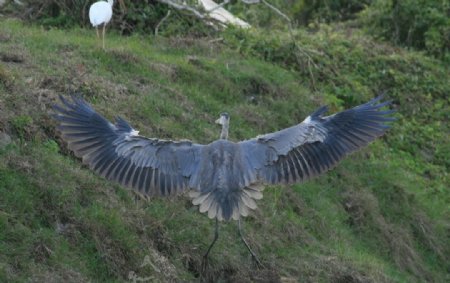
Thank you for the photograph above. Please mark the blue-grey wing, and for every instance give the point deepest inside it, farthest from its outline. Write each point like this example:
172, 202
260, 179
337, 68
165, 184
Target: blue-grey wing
118, 153
315, 145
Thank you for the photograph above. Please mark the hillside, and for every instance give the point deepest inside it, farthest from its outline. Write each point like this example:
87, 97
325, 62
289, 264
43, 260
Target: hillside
382, 215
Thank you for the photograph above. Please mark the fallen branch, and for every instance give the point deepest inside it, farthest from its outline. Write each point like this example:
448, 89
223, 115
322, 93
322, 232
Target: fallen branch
211, 11
217, 12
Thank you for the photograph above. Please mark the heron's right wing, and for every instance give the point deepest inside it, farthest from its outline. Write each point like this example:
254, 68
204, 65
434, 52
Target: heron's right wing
315, 145
118, 153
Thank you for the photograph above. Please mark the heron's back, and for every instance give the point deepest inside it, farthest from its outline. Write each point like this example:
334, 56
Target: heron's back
222, 188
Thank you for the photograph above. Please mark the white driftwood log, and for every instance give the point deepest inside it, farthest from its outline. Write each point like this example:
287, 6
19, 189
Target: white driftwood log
218, 13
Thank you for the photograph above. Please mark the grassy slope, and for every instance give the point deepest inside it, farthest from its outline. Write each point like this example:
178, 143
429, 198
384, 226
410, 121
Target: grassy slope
381, 216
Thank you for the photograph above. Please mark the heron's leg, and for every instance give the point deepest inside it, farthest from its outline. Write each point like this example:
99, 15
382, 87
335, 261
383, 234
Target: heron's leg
103, 34
216, 236
255, 258
96, 29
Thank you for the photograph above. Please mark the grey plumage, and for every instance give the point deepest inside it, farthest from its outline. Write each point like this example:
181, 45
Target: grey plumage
224, 177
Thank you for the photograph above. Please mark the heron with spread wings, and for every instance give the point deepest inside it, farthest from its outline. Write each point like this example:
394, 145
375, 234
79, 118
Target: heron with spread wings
224, 177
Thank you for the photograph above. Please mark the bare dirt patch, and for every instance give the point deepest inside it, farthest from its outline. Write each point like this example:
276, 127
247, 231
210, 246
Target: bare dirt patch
11, 57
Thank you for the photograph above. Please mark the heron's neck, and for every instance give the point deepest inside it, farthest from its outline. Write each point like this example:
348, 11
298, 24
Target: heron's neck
224, 133
111, 2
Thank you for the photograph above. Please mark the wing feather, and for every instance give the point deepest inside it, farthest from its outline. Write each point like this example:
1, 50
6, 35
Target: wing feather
116, 152
317, 144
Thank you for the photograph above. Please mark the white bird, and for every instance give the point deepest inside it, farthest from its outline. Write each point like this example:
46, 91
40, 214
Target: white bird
100, 13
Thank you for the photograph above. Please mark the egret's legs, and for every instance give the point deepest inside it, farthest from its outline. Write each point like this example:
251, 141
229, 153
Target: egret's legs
96, 29
205, 257
255, 258
103, 35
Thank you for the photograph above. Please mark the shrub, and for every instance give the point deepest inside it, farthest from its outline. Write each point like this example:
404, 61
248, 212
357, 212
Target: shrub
326, 11
302, 12
21, 125
421, 24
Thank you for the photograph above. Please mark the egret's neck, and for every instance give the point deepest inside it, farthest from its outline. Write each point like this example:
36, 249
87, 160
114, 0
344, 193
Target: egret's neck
224, 132
111, 2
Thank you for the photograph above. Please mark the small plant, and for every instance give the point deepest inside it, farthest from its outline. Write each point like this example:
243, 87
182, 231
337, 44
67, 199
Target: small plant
51, 146
21, 124
6, 80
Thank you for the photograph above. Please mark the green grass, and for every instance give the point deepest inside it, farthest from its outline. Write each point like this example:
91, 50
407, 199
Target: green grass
380, 216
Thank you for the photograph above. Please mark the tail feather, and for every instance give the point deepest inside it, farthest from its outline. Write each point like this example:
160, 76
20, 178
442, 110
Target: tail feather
236, 205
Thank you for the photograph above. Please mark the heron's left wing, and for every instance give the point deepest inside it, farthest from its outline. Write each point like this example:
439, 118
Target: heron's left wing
118, 153
315, 145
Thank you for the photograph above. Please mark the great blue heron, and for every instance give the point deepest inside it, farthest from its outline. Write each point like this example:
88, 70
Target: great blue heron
100, 13
224, 177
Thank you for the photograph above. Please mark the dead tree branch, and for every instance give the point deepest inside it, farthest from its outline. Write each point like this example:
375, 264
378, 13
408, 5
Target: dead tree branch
179, 6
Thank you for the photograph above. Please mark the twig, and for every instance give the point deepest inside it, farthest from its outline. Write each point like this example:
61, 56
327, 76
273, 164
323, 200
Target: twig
84, 11
215, 40
277, 11
162, 20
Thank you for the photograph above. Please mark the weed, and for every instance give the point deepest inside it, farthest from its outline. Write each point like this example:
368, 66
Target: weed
21, 125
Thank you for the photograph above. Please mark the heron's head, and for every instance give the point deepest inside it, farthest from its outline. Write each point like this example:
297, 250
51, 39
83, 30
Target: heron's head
224, 119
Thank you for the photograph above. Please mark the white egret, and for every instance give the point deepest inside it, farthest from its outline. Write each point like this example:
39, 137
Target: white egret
100, 13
